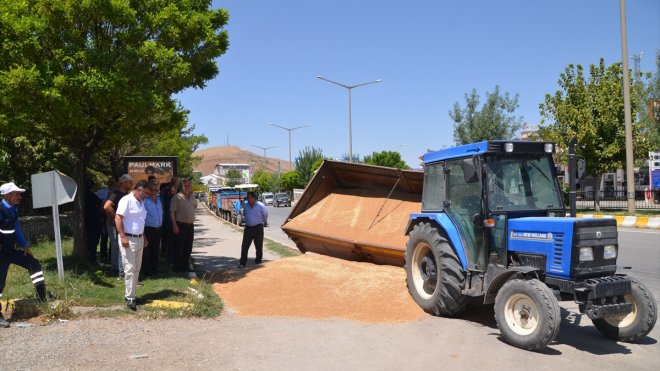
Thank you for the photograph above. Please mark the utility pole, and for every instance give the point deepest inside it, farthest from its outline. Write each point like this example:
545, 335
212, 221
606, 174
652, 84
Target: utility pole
630, 176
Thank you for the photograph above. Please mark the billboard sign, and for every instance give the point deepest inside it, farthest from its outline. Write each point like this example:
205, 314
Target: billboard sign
141, 167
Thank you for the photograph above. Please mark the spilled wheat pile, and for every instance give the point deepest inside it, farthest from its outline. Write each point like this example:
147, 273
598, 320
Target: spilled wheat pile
316, 286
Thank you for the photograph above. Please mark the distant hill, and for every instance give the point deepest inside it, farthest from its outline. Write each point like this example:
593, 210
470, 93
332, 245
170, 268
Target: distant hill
236, 155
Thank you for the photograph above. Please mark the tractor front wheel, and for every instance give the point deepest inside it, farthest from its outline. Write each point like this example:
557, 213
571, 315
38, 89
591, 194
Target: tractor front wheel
527, 313
636, 324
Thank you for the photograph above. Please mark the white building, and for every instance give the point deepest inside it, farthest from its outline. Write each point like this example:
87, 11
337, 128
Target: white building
222, 169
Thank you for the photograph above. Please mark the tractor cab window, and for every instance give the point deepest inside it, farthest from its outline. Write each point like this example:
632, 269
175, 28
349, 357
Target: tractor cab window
434, 187
521, 183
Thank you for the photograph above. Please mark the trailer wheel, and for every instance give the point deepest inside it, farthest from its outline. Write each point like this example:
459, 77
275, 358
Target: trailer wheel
434, 274
636, 324
527, 314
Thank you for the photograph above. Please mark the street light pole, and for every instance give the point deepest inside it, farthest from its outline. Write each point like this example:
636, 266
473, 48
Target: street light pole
289, 130
630, 177
264, 148
350, 123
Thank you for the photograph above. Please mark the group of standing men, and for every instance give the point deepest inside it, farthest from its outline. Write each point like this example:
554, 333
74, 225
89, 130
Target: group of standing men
144, 222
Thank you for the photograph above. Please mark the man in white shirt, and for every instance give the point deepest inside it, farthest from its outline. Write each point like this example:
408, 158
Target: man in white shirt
129, 220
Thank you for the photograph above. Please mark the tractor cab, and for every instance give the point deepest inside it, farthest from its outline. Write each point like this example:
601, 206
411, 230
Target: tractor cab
480, 186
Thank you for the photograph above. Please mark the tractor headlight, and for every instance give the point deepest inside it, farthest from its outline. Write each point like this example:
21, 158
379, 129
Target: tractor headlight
586, 254
609, 252
548, 147
508, 147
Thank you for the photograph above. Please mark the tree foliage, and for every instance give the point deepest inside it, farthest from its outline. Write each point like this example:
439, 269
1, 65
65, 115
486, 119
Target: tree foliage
317, 164
291, 180
650, 108
264, 179
495, 120
386, 158
591, 108
305, 161
92, 75
233, 177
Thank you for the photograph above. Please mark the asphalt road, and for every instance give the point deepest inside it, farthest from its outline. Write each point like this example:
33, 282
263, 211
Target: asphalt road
639, 256
276, 217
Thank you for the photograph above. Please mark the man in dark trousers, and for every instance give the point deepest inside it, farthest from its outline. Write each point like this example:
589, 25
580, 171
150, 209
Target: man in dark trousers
182, 215
10, 235
256, 217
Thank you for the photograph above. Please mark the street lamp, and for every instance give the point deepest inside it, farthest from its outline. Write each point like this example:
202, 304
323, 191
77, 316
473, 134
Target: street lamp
289, 130
350, 124
264, 148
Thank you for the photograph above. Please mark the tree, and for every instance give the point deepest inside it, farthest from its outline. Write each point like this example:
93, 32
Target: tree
650, 108
233, 177
386, 158
291, 180
317, 164
92, 75
305, 161
494, 121
590, 108
264, 179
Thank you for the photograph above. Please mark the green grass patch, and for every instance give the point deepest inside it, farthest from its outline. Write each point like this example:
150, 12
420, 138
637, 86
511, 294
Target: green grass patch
88, 285
279, 249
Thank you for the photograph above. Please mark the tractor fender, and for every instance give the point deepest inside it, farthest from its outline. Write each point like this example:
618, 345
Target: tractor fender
497, 276
446, 227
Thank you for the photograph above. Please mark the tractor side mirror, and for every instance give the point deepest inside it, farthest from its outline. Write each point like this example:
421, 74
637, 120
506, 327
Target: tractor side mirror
469, 170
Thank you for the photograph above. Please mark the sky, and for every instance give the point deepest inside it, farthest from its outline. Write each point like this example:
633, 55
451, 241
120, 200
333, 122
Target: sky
428, 53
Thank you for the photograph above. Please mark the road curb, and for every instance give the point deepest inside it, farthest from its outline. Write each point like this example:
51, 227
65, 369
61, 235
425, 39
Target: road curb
642, 222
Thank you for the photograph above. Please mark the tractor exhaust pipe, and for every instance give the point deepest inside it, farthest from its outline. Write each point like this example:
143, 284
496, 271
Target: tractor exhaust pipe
571, 176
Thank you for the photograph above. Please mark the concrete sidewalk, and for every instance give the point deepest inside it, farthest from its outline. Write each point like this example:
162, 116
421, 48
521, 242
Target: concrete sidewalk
217, 244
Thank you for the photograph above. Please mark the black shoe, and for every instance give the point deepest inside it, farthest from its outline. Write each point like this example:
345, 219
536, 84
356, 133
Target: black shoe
241, 265
3, 322
130, 303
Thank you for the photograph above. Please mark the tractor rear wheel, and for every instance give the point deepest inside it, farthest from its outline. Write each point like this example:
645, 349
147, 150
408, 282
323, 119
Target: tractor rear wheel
527, 313
636, 324
434, 274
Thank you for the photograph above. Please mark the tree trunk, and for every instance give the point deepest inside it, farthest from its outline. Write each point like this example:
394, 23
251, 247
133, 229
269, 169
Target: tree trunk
79, 222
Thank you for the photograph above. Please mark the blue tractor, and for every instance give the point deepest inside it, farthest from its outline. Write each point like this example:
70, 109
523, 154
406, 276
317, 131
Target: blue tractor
493, 225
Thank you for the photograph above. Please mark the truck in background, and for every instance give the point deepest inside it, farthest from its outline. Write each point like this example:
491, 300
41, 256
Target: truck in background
227, 202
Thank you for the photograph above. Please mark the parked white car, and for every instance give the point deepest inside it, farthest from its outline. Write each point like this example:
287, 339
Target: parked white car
267, 198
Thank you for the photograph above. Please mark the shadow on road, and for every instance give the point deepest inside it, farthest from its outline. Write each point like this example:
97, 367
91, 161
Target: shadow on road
573, 333
588, 339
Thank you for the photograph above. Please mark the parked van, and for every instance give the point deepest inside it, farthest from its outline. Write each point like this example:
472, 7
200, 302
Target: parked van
267, 198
